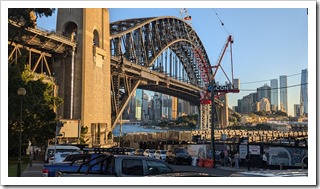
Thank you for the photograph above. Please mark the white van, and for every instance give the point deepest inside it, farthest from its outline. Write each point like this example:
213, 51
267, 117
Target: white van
59, 148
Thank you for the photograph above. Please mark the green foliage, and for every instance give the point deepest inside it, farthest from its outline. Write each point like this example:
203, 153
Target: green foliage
84, 132
281, 113
183, 121
38, 116
261, 113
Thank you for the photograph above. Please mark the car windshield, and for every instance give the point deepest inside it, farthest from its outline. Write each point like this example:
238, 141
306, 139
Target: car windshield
63, 155
151, 151
163, 152
181, 151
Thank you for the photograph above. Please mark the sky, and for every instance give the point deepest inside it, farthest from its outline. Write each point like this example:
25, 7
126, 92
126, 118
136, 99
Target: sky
268, 42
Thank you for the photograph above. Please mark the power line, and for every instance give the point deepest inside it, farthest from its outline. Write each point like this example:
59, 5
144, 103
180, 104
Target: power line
250, 82
275, 88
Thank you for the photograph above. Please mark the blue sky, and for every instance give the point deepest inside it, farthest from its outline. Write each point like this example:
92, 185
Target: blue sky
268, 42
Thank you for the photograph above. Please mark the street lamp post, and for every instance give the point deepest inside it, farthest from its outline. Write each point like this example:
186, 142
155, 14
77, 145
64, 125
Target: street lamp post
21, 92
213, 117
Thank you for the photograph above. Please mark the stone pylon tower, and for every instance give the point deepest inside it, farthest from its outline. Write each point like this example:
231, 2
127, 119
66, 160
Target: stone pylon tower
83, 77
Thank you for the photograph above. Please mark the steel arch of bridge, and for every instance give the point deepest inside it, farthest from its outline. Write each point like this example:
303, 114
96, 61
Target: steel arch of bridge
135, 46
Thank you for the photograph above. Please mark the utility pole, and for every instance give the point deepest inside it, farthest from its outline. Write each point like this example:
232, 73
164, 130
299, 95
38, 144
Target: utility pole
213, 118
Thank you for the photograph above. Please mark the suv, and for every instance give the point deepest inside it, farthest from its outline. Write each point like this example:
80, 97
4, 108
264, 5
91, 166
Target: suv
178, 156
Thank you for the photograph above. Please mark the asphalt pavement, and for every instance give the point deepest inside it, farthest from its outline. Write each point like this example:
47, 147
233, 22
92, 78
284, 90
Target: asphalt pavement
35, 170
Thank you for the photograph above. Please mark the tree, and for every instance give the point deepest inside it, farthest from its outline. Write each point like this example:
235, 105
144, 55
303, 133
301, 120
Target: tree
39, 118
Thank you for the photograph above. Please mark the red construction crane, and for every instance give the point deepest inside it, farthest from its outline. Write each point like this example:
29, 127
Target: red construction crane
205, 71
205, 97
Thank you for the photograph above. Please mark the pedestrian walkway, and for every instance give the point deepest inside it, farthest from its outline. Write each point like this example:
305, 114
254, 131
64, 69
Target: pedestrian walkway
34, 171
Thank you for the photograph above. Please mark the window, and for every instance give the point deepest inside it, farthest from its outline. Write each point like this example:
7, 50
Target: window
96, 38
155, 167
132, 167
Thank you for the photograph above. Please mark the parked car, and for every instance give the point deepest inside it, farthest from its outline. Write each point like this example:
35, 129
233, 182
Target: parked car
78, 163
130, 151
138, 152
178, 156
160, 154
122, 166
59, 148
60, 157
149, 153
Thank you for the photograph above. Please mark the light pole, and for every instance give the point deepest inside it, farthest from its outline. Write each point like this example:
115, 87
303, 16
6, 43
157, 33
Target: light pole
213, 118
21, 92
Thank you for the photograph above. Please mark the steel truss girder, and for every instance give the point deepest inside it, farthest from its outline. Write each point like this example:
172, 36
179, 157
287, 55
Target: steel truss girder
45, 41
122, 88
142, 40
37, 60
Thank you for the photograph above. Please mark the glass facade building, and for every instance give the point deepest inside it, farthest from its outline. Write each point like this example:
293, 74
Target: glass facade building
304, 92
274, 101
283, 93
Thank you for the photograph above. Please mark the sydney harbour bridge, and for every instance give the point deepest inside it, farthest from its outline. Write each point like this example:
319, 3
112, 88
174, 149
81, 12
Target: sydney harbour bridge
96, 66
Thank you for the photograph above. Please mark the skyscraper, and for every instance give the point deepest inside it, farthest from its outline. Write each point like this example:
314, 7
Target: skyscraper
145, 113
139, 98
296, 110
274, 94
304, 92
263, 92
283, 94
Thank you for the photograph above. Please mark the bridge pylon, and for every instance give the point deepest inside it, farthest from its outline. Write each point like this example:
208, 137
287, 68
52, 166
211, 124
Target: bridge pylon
84, 79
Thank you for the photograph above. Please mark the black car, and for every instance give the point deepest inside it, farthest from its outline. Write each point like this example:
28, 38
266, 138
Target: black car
178, 156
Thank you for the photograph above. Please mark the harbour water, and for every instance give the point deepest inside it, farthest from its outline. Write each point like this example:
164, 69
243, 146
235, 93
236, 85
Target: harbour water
137, 128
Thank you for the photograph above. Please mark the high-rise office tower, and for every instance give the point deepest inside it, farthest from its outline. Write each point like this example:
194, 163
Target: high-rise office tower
264, 92
139, 98
145, 113
304, 93
274, 95
296, 110
174, 102
283, 94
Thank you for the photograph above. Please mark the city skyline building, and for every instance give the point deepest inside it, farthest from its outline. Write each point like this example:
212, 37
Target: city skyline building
174, 104
138, 106
264, 105
304, 93
263, 92
145, 107
274, 99
283, 93
157, 106
296, 110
